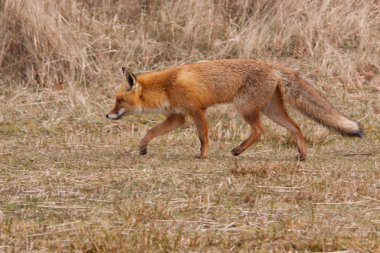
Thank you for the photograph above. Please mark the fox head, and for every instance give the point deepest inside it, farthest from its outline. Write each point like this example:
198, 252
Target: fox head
127, 97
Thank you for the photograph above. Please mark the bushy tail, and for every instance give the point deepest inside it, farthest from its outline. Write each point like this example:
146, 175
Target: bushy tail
307, 99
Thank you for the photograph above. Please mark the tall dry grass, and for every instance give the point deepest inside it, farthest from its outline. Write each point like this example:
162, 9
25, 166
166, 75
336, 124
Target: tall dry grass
49, 42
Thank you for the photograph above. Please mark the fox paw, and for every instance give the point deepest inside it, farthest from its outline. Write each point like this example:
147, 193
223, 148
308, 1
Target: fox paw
236, 151
301, 158
143, 151
200, 156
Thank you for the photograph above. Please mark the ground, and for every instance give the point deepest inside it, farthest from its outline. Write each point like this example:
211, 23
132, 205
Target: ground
71, 180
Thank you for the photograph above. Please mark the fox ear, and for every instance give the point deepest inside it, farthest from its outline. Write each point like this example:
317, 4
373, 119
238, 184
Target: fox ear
129, 77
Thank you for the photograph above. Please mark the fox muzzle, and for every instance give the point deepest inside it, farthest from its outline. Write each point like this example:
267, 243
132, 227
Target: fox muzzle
118, 115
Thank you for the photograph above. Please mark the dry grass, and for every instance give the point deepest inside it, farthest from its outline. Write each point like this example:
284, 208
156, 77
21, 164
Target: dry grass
72, 181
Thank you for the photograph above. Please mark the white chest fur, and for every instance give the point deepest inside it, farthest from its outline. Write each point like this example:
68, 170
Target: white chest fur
165, 108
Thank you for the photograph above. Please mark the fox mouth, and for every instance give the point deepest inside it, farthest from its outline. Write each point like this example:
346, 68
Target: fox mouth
115, 116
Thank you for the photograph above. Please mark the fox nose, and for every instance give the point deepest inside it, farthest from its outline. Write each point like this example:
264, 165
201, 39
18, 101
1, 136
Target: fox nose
107, 116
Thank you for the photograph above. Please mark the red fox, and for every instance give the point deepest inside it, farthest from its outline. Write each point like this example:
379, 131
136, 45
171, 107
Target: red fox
251, 86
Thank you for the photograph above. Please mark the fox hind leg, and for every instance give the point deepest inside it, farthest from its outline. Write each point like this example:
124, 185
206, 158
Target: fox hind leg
276, 111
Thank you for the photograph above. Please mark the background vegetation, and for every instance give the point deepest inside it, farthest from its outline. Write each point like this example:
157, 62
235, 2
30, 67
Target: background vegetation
72, 181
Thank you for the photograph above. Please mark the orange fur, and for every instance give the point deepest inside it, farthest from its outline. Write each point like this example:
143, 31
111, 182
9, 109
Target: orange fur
252, 86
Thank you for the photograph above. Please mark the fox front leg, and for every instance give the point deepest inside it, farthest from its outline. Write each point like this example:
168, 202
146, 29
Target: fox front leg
201, 124
171, 123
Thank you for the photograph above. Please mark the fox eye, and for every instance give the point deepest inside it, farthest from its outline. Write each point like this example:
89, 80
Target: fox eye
119, 100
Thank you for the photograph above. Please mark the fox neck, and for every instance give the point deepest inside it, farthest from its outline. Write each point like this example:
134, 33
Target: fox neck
153, 96
154, 102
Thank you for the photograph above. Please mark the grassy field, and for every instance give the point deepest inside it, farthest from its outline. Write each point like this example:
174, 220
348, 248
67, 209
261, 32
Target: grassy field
73, 181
